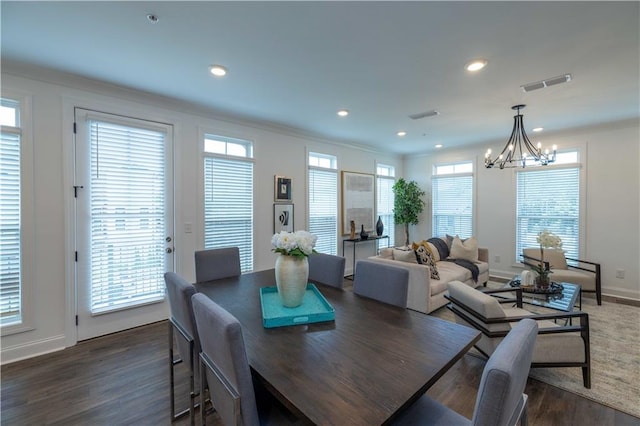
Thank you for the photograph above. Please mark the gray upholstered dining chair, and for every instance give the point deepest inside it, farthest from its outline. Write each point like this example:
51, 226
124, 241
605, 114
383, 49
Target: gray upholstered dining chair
224, 368
556, 345
501, 400
215, 264
179, 292
585, 273
385, 283
327, 269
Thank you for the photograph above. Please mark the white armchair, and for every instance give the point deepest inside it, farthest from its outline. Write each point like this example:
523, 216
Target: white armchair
586, 274
556, 345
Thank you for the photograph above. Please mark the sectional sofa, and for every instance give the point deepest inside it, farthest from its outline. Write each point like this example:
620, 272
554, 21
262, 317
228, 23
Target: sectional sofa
460, 261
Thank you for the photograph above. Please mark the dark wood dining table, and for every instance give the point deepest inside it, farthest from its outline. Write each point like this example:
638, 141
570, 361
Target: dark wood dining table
362, 368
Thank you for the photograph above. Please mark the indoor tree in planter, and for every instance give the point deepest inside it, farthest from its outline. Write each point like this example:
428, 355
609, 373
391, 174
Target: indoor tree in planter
407, 204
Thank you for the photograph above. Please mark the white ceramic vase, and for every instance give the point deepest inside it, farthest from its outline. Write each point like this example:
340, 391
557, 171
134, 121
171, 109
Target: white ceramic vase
292, 274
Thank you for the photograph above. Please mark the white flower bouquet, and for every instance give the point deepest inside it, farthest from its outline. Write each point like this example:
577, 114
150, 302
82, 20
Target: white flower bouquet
546, 239
298, 244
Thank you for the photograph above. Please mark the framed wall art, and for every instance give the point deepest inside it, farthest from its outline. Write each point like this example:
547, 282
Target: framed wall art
358, 201
282, 188
282, 218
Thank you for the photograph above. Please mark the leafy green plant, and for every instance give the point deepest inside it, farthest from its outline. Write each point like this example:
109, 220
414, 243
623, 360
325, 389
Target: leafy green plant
407, 204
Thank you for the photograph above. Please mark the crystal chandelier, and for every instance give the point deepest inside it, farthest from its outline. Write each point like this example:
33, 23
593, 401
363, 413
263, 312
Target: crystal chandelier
519, 151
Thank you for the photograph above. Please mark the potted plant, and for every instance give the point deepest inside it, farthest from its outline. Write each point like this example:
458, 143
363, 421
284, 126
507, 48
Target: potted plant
546, 239
407, 205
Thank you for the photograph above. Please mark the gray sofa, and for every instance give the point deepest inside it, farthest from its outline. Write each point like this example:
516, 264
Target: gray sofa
426, 294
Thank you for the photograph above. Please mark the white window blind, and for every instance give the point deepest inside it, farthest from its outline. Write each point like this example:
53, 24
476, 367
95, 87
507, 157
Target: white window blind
228, 206
10, 247
385, 200
323, 208
127, 205
548, 199
452, 200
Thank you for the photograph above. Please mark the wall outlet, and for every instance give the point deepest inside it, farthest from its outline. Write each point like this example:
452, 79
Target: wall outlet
496, 259
619, 273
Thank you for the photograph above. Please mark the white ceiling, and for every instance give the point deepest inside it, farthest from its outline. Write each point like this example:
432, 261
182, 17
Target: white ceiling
296, 63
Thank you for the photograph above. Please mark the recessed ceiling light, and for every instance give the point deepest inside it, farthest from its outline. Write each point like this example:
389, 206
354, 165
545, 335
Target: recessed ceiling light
476, 65
401, 133
218, 70
538, 129
439, 145
343, 112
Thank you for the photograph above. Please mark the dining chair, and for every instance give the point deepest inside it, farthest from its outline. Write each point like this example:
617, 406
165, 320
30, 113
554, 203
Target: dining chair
385, 283
215, 264
585, 273
501, 400
492, 312
224, 368
182, 326
327, 269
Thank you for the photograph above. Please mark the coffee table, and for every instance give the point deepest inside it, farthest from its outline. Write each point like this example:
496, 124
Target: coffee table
565, 300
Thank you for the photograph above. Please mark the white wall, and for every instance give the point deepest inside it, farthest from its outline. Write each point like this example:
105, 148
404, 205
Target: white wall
277, 151
611, 230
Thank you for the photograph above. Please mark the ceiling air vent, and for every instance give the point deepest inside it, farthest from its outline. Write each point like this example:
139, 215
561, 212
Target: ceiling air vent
420, 115
565, 78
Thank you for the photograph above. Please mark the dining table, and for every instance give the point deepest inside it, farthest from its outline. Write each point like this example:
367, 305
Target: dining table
361, 368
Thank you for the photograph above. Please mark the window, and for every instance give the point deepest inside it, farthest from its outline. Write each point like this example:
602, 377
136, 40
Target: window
127, 223
228, 196
549, 198
452, 193
385, 198
323, 202
11, 300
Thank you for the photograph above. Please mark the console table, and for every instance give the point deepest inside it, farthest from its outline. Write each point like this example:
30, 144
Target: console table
356, 241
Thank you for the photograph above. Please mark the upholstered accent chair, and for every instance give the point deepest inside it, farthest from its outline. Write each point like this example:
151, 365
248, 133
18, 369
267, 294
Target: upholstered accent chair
327, 269
585, 273
215, 264
501, 400
385, 283
182, 326
557, 344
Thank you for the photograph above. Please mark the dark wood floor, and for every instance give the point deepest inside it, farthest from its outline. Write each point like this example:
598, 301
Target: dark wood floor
123, 379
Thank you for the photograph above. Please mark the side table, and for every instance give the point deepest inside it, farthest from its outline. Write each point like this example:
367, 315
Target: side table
354, 242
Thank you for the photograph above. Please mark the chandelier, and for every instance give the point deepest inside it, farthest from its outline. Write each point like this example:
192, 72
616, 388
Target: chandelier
519, 151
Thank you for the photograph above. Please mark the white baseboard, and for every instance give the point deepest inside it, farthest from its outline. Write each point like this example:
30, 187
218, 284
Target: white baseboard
621, 293
32, 349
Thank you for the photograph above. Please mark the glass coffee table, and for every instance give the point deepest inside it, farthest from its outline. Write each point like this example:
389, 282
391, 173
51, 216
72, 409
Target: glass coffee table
563, 299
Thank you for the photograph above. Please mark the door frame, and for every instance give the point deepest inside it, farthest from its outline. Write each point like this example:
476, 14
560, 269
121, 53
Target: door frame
124, 108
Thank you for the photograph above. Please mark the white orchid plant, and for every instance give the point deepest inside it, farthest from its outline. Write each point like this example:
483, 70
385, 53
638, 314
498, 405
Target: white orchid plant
546, 239
297, 244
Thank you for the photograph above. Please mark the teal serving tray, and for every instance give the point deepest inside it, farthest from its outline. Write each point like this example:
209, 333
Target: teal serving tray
314, 308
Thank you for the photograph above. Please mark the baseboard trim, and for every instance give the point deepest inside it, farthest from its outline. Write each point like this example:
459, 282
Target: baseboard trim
16, 353
616, 299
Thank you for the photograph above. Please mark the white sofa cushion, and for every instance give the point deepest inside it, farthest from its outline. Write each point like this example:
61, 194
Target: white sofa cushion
467, 249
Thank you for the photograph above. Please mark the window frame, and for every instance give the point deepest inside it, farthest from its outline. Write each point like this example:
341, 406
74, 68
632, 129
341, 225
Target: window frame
580, 163
27, 215
386, 173
333, 168
455, 174
248, 158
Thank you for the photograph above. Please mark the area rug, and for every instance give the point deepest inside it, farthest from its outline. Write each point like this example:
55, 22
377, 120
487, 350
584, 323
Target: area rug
615, 357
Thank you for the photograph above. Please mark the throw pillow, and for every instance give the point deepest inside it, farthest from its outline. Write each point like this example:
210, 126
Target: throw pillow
426, 258
405, 256
467, 250
434, 250
386, 253
449, 239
